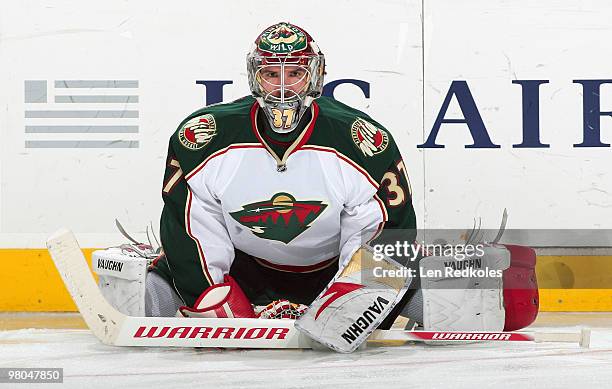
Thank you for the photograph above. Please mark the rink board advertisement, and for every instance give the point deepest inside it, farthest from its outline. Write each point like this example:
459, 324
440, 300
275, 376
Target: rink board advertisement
493, 105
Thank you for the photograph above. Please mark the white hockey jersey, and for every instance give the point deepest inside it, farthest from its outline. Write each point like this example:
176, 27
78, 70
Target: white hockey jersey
336, 186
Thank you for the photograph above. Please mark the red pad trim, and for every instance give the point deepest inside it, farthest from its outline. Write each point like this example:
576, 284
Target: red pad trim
521, 298
296, 268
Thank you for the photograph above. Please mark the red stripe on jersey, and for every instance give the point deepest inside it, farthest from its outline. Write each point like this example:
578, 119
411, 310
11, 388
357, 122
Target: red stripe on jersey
254, 109
305, 137
221, 152
345, 159
296, 268
315, 115
383, 209
200, 251
379, 230
276, 142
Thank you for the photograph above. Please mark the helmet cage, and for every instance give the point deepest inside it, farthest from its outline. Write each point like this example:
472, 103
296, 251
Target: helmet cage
285, 100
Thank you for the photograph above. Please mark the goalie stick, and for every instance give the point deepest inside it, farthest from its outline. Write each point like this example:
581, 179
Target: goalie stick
583, 337
114, 328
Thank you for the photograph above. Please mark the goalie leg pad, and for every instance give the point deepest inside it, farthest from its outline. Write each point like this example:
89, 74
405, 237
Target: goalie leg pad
521, 299
458, 302
122, 278
489, 303
355, 302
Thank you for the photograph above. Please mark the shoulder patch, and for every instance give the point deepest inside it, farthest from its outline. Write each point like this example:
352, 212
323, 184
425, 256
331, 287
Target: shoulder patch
198, 132
368, 138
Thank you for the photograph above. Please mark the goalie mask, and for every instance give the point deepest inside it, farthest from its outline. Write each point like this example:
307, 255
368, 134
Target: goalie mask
285, 68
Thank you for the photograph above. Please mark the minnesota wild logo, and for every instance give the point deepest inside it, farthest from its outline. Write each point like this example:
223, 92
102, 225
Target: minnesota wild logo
282, 38
198, 132
281, 218
368, 138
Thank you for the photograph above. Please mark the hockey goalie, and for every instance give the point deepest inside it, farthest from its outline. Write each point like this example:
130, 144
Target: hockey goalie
271, 207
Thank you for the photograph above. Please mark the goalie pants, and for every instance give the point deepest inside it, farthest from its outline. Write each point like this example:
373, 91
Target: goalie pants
262, 285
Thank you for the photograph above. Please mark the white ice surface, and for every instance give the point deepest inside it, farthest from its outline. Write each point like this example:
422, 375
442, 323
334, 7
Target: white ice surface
90, 364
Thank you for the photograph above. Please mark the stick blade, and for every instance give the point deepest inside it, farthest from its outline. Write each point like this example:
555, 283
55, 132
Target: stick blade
101, 317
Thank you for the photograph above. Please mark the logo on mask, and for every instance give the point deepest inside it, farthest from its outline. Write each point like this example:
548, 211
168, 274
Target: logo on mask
282, 38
